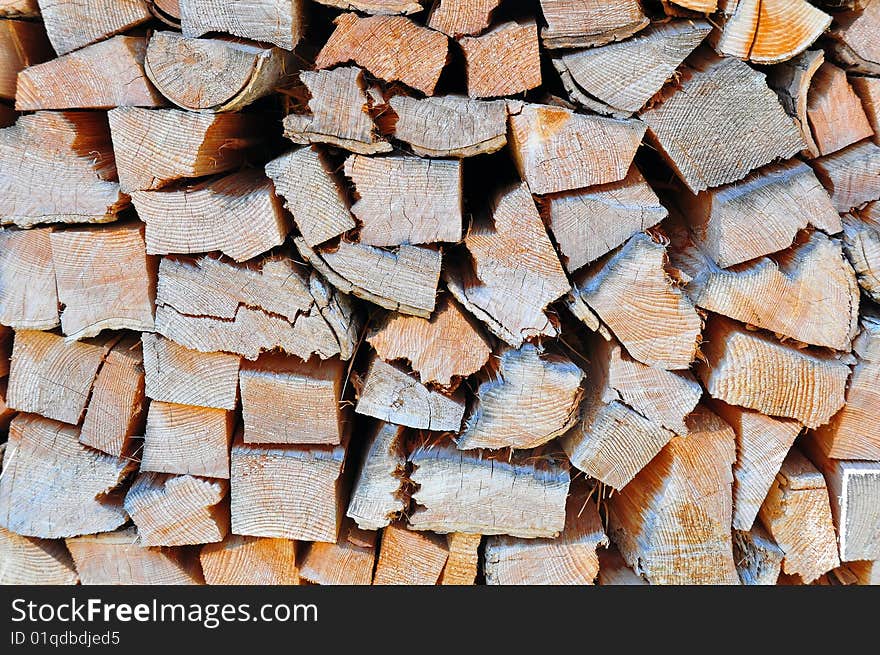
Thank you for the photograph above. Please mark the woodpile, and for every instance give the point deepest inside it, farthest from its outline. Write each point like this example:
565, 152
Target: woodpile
454, 292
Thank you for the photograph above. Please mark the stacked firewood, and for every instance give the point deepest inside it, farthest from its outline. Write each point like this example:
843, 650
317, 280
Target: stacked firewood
399, 292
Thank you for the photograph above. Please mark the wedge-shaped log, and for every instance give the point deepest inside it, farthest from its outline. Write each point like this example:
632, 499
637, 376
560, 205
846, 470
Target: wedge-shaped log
579, 23
28, 296
754, 370
792, 80
178, 510
290, 492
406, 200
118, 558
239, 560
730, 94
758, 215
58, 167
390, 394
103, 75
503, 61
392, 48
407, 557
443, 349
797, 515
861, 239
105, 279
515, 272
349, 561
276, 21
339, 112
672, 521
212, 305
474, 492
868, 91
287, 401
52, 486
853, 39
620, 78
175, 374
851, 176
156, 147
187, 440
239, 215
570, 559
758, 558
590, 222
636, 298
526, 398
835, 112
557, 150
463, 562
462, 17
72, 25
31, 561
22, 44
213, 75
377, 497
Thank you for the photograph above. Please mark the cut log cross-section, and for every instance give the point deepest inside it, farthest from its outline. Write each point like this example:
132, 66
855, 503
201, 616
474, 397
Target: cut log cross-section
22, 44
462, 17
239, 560
276, 21
28, 295
852, 175
835, 112
579, 23
72, 25
348, 561
503, 61
407, 557
861, 238
758, 558
377, 495
868, 91
854, 39
31, 561
463, 562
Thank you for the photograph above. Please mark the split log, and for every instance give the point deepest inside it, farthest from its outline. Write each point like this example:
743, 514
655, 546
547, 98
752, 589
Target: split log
117, 558
854, 39
100, 76
410, 558
117, 404
19, 8
514, 273
187, 440
214, 75
807, 292
178, 510
835, 112
762, 443
590, 222
28, 296
636, 298
241, 560
339, 112
797, 514
758, 215
526, 398
769, 31
613, 569
406, 200
443, 350
404, 280
461, 566
289, 492
792, 80
758, 558
175, 374
58, 167
390, 394
285, 400
851, 176
522, 495
756, 371
313, 196
277, 21
238, 215
211, 305
730, 93
377, 496
105, 279
868, 91
861, 240
29, 561
570, 559
450, 126
557, 150
22, 44
457, 18
620, 78
578, 23
53, 377
392, 48
503, 61
349, 561
672, 521
52, 486
72, 25
156, 147
380, 7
